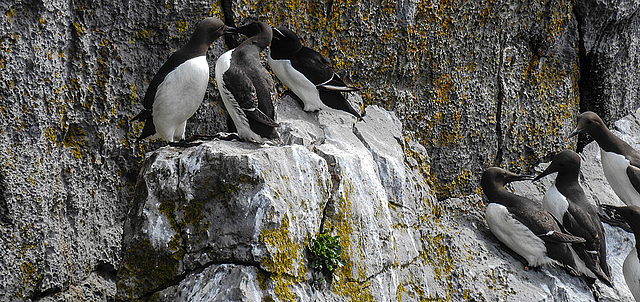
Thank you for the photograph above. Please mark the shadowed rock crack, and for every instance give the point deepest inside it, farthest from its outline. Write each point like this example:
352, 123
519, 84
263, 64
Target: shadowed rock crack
38, 295
329, 206
197, 270
230, 40
500, 98
5, 216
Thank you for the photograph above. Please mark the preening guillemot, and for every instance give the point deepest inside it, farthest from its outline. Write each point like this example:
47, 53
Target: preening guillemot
177, 89
566, 200
522, 225
307, 73
246, 87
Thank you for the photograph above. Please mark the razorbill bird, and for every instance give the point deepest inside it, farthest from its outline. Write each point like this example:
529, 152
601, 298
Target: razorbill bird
522, 225
307, 73
177, 89
620, 162
631, 265
566, 201
247, 89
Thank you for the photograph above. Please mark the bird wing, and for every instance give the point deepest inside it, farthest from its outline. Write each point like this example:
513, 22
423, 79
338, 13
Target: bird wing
336, 100
544, 225
244, 94
172, 62
580, 223
150, 95
559, 237
318, 69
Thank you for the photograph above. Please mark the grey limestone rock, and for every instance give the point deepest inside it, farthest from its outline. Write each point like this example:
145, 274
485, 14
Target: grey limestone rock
471, 85
248, 243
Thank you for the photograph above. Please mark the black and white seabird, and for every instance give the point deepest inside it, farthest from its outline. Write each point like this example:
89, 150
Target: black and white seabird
247, 89
522, 225
620, 162
177, 89
566, 201
307, 73
631, 265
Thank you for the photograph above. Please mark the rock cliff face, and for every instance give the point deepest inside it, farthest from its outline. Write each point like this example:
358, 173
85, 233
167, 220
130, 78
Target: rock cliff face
471, 84
230, 221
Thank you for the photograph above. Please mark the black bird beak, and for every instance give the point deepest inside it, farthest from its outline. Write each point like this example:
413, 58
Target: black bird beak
550, 169
519, 177
276, 33
230, 30
574, 133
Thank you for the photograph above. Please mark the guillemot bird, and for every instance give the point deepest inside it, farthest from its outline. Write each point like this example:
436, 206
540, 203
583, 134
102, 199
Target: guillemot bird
566, 201
247, 89
620, 162
307, 73
178, 88
631, 265
522, 225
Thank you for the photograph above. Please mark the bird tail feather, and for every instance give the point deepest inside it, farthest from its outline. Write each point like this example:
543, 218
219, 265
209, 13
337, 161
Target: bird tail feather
259, 116
143, 115
559, 237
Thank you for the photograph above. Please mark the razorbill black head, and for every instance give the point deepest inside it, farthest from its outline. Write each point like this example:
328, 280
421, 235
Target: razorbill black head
246, 87
177, 89
284, 43
307, 73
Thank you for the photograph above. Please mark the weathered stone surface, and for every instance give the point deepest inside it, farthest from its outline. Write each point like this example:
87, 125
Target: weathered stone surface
609, 47
222, 202
417, 249
473, 84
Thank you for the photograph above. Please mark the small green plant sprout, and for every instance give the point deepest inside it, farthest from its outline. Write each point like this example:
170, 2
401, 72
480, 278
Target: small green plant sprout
325, 254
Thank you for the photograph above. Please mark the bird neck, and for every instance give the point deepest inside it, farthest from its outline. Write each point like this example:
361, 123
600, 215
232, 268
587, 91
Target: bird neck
261, 40
284, 50
501, 194
607, 140
567, 178
636, 235
198, 46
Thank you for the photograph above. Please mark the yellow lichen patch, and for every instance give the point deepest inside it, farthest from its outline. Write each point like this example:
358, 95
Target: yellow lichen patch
134, 91
462, 179
10, 13
75, 140
437, 255
284, 250
30, 276
443, 87
79, 28
214, 11
559, 17
282, 287
410, 290
181, 26
354, 291
343, 280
